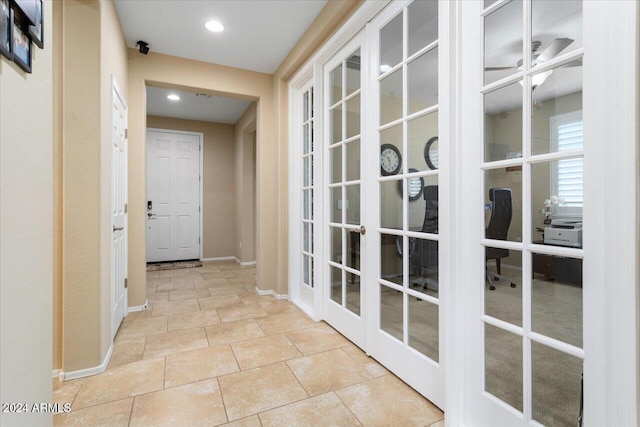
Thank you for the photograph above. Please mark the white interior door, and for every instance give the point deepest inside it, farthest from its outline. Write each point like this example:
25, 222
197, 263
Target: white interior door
173, 196
406, 287
344, 227
118, 209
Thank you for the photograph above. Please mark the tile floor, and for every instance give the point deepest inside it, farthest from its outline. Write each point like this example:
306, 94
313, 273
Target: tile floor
209, 351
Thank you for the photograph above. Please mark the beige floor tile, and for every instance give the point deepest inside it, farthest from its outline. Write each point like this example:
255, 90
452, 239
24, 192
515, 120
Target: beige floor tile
175, 272
218, 275
218, 301
198, 365
264, 351
327, 371
175, 342
158, 298
126, 350
168, 308
143, 327
180, 286
158, 280
367, 362
226, 333
241, 312
66, 391
193, 405
240, 280
274, 306
204, 283
112, 414
189, 294
284, 322
245, 272
323, 410
222, 290
252, 421
370, 401
124, 381
438, 423
196, 319
315, 340
152, 274
250, 392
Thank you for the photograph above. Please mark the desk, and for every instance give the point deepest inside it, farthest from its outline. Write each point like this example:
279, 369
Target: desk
560, 269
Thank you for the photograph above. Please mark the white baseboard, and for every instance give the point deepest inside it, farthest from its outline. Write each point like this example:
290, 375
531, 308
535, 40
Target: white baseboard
307, 310
228, 258
271, 292
89, 371
142, 307
222, 258
57, 373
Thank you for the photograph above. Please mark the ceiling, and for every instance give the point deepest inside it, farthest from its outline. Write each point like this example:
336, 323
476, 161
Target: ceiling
206, 108
258, 34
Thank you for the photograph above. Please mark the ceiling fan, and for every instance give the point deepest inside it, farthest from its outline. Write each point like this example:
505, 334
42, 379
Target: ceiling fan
556, 46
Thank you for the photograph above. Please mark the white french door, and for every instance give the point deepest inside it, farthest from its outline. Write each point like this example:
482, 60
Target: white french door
381, 138
173, 196
118, 208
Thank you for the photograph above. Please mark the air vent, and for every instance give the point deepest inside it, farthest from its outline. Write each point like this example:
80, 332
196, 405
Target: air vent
204, 95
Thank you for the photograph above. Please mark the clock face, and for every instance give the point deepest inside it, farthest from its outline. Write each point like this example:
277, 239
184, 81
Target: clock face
390, 159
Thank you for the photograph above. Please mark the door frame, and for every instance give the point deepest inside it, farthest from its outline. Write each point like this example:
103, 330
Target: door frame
117, 92
200, 136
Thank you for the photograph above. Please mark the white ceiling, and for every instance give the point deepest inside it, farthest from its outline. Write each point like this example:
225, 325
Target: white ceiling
204, 108
258, 34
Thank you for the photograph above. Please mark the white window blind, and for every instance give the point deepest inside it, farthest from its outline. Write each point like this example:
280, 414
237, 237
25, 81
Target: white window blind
567, 175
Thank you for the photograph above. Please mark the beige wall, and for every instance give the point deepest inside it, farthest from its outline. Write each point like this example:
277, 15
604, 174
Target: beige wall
159, 70
245, 162
26, 246
219, 184
92, 49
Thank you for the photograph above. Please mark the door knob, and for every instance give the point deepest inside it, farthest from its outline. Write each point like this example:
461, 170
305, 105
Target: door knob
117, 228
151, 215
362, 230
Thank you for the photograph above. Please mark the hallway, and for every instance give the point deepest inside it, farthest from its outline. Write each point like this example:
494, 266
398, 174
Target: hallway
209, 350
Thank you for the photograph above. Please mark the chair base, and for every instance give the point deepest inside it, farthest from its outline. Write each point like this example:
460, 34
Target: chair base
496, 277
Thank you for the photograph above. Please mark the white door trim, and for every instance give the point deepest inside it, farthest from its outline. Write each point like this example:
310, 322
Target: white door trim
200, 135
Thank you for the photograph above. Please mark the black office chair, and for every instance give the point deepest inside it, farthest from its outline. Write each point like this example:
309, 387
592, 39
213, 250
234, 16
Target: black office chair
424, 256
501, 213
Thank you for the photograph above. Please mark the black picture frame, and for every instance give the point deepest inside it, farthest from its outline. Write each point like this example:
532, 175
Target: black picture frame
6, 29
37, 31
26, 11
21, 47
418, 180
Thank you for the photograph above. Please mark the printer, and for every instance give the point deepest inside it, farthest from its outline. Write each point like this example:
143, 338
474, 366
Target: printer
564, 232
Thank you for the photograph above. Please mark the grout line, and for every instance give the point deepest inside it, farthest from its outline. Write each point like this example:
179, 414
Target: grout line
297, 379
164, 371
347, 406
133, 403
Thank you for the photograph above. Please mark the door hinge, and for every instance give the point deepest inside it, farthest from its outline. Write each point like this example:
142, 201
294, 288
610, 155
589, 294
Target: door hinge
125, 283
199, 178
126, 207
199, 147
126, 133
199, 209
198, 240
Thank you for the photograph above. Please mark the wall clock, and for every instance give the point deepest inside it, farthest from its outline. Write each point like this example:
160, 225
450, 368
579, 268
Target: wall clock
431, 153
390, 159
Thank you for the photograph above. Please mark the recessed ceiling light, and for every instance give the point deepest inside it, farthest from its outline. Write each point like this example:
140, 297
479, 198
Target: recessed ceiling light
173, 97
214, 26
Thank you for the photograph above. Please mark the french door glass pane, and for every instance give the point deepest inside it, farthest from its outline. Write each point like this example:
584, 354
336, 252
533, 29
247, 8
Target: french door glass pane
353, 250
307, 237
392, 136
353, 160
336, 85
423, 24
557, 26
503, 42
305, 269
353, 73
353, 116
353, 204
305, 138
336, 285
391, 44
503, 365
391, 97
503, 268
503, 214
391, 249
420, 131
557, 109
391, 302
423, 261
424, 327
503, 123
557, 386
336, 164
336, 244
336, 204
306, 208
556, 297
390, 205
424, 212
422, 81
336, 124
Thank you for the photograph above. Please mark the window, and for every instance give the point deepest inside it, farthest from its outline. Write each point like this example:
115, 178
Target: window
566, 174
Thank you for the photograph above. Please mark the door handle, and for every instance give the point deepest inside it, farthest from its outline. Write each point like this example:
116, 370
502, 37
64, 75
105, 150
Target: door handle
362, 230
151, 215
117, 228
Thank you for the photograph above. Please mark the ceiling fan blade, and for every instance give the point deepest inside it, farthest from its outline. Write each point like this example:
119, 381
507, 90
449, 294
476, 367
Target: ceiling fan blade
556, 46
500, 68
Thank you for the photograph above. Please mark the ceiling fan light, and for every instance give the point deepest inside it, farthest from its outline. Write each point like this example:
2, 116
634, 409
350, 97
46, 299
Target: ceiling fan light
173, 97
539, 79
214, 26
